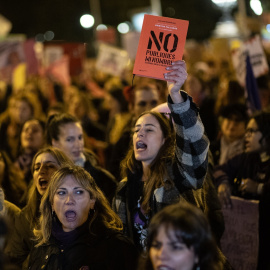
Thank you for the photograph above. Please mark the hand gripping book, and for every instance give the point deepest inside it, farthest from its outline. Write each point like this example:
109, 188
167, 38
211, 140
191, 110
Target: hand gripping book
161, 42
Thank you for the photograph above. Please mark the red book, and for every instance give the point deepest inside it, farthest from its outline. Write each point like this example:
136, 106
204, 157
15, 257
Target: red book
162, 42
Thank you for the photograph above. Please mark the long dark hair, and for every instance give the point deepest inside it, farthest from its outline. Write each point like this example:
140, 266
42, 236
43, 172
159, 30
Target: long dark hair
190, 227
158, 168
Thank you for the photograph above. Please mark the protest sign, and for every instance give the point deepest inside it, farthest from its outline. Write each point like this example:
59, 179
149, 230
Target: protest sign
161, 42
11, 55
240, 241
112, 60
130, 42
75, 51
254, 49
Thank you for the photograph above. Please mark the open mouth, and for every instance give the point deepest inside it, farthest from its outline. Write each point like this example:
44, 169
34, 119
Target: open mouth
43, 183
76, 153
141, 145
70, 215
164, 267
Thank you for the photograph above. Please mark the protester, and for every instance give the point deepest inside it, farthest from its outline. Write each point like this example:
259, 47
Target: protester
4, 229
32, 139
247, 175
230, 142
142, 97
230, 92
180, 238
156, 171
65, 132
11, 181
21, 108
44, 164
78, 229
196, 86
81, 107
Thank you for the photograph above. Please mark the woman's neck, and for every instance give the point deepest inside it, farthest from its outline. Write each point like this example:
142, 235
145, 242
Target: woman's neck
145, 172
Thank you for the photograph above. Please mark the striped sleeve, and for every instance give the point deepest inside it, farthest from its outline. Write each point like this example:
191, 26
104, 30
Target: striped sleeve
191, 142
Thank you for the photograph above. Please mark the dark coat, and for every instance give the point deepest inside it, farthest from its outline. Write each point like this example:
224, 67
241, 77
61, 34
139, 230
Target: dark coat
249, 165
20, 241
108, 251
103, 178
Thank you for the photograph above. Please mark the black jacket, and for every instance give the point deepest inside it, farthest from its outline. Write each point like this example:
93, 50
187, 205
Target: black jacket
103, 178
106, 252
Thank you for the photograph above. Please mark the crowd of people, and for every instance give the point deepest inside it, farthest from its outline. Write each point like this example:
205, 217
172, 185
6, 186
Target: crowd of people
135, 178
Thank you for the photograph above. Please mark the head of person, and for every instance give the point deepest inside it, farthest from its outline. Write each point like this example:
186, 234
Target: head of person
152, 137
142, 97
73, 198
65, 132
233, 122
56, 108
33, 135
22, 107
80, 105
257, 137
180, 238
153, 145
196, 87
45, 162
116, 100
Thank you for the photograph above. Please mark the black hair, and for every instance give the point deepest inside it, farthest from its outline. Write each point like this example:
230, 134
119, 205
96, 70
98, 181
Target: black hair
54, 123
191, 227
237, 112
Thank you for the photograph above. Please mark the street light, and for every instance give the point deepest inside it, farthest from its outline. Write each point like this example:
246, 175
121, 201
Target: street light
256, 6
123, 28
87, 21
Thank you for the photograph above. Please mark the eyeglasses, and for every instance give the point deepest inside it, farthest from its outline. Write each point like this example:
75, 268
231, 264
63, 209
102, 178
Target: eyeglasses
250, 131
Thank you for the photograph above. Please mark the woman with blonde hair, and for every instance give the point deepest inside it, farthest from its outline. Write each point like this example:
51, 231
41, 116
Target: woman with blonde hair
78, 229
44, 164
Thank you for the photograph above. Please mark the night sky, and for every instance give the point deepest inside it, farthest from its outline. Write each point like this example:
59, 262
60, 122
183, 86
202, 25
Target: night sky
62, 17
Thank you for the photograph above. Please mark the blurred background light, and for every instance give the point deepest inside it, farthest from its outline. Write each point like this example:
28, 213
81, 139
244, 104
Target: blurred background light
40, 38
123, 28
49, 35
101, 27
256, 6
87, 21
137, 20
222, 2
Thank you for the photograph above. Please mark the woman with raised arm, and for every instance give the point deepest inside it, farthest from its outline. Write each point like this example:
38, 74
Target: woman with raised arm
163, 162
